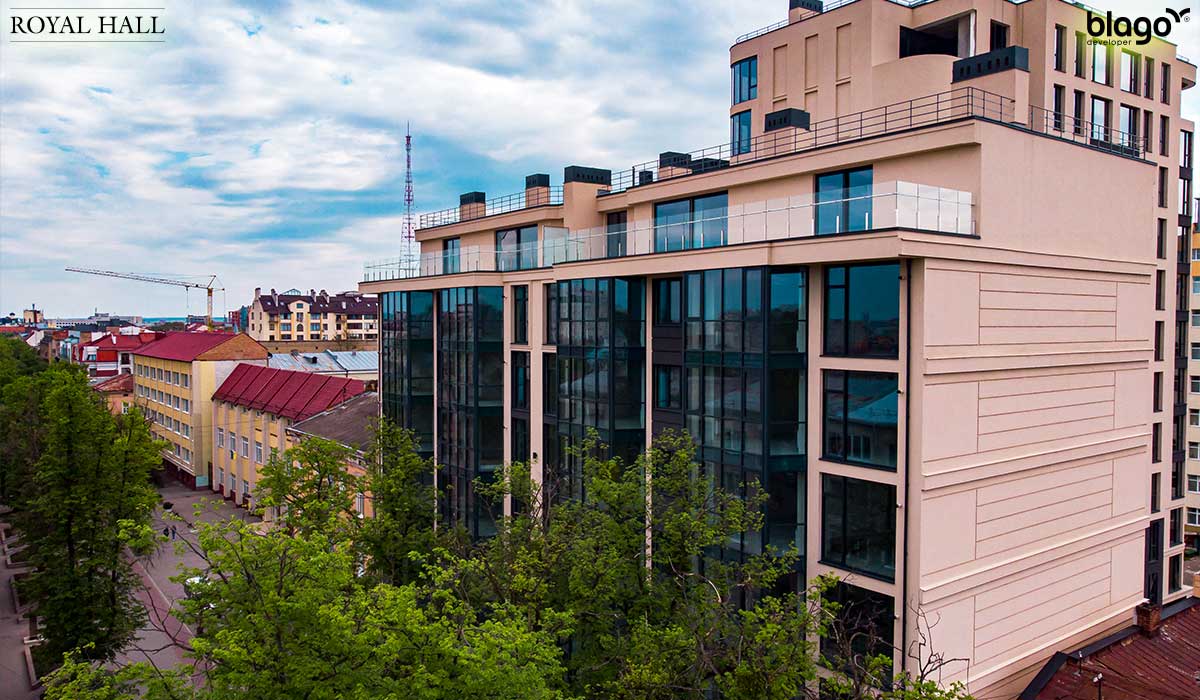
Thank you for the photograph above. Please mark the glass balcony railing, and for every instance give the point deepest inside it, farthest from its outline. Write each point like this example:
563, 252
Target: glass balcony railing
882, 206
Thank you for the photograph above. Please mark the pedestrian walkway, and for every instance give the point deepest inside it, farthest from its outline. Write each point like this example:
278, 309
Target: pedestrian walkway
164, 640
14, 677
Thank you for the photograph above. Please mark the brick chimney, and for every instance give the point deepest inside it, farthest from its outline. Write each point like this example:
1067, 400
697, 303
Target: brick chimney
471, 205
1149, 619
537, 189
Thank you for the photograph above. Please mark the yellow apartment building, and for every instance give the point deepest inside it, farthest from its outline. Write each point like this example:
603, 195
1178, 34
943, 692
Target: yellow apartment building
292, 315
174, 380
252, 411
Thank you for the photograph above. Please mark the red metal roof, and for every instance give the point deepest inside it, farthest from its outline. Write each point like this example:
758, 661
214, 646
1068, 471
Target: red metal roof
294, 395
1137, 667
183, 346
113, 341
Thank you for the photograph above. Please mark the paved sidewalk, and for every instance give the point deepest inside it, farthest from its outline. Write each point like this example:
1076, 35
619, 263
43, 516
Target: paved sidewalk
14, 678
164, 639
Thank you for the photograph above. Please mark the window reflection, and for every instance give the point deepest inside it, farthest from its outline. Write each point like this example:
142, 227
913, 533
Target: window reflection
860, 410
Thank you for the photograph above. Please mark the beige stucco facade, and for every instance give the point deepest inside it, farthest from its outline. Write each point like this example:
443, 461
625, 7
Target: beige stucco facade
177, 396
1038, 324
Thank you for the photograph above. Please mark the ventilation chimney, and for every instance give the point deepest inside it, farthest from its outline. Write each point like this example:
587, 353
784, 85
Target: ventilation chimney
1149, 619
472, 205
257, 292
802, 9
673, 164
537, 189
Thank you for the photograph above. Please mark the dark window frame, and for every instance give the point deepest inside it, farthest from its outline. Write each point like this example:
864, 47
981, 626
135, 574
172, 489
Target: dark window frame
830, 558
843, 220
744, 83
846, 311
521, 314
843, 433
739, 144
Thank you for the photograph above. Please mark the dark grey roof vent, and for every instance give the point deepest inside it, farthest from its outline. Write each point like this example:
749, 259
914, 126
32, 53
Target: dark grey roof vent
594, 176
537, 180
814, 5
672, 159
472, 198
1007, 58
784, 118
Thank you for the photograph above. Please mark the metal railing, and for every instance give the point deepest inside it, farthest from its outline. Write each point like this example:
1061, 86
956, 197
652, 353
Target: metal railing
923, 111
1066, 127
833, 5
500, 205
884, 205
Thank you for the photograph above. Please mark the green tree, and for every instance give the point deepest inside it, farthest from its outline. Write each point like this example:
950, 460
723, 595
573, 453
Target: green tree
87, 510
22, 382
399, 486
280, 609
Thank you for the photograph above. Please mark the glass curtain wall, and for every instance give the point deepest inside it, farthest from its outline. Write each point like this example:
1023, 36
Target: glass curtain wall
470, 335
601, 357
406, 363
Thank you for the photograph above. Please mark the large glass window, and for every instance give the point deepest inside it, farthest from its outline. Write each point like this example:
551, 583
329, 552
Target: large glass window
668, 302
668, 387
520, 381
450, 256
745, 80
863, 627
551, 292
789, 313
1099, 119
517, 249
1100, 63
701, 222
615, 233
739, 133
1060, 47
843, 201
862, 310
858, 526
1130, 65
521, 314
860, 410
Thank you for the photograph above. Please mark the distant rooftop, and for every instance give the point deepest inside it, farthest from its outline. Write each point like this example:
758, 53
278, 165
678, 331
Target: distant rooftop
348, 423
295, 395
327, 362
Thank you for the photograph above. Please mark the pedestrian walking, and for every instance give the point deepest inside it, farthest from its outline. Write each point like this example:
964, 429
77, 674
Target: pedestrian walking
173, 532
166, 532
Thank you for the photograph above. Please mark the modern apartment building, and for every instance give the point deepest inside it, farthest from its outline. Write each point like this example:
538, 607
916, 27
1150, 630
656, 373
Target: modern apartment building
174, 380
252, 410
1191, 525
930, 295
293, 315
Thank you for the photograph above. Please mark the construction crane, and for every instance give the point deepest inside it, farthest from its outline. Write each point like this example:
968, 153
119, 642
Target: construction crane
159, 280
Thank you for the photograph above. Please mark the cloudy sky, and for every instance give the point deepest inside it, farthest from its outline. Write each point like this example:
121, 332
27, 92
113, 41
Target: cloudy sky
263, 141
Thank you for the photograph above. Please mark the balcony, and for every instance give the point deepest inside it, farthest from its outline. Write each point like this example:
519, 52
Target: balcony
929, 110
882, 206
499, 205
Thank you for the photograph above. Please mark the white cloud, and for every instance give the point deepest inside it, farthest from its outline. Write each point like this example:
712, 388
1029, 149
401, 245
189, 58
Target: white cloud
277, 159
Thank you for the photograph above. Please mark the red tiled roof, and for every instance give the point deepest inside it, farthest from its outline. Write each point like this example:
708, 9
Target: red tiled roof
114, 341
1134, 666
121, 383
294, 395
183, 346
